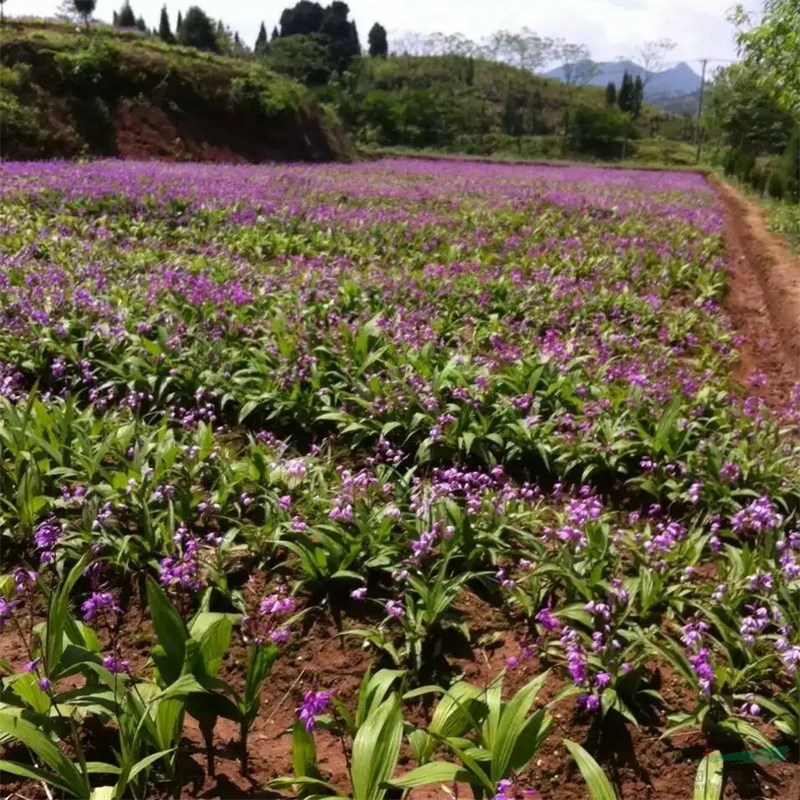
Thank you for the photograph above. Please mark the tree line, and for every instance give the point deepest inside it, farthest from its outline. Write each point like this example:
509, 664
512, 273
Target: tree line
752, 110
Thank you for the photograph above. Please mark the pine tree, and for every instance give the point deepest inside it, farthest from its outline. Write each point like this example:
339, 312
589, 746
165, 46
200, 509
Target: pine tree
141, 24
625, 93
164, 30
126, 18
178, 23
378, 46
261, 40
275, 34
611, 94
637, 97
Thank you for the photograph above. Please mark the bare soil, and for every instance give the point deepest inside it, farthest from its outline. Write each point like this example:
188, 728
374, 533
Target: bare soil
763, 298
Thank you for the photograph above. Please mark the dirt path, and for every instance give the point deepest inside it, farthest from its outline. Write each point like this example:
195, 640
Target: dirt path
763, 298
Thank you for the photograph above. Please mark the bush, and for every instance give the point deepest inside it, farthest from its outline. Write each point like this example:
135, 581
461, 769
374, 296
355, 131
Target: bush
775, 186
598, 131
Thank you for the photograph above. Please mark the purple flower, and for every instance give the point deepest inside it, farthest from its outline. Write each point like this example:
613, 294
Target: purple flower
116, 665
394, 608
44, 684
359, 594
6, 611
47, 536
602, 679
701, 664
314, 704
589, 702
97, 604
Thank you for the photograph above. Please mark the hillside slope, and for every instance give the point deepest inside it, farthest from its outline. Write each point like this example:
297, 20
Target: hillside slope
65, 91
440, 101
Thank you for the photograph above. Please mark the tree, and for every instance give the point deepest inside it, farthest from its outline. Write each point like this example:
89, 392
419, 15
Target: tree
141, 24
611, 94
164, 30
261, 39
275, 35
771, 50
343, 37
302, 19
378, 45
85, 9
197, 30
598, 131
178, 24
637, 96
625, 93
126, 18
652, 57
578, 69
66, 12
306, 58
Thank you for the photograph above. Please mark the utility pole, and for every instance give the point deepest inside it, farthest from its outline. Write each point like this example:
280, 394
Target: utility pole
698, 135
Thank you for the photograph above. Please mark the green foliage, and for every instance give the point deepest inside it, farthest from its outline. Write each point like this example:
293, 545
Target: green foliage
85, 8
164, 29
708, 782
598, 131
597, 783
261, 39
770, 50
378, 44
97, 81
305, 58
611, 94
125, 17
197, 30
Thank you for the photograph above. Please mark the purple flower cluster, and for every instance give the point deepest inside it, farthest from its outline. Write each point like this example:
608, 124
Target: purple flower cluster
314, 703
268, 622
183, 571
47, 536
757, 517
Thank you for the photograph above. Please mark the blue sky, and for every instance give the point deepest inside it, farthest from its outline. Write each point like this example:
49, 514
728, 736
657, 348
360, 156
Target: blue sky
610, 28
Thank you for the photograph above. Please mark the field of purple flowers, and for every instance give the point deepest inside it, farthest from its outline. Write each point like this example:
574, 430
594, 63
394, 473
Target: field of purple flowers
240, 399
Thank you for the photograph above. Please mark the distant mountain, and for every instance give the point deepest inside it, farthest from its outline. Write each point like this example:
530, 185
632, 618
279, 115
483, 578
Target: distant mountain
680, 82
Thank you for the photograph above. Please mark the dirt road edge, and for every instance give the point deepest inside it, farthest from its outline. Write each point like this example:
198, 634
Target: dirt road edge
764, 292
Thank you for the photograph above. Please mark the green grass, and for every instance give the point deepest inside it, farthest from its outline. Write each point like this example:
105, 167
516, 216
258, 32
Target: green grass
61, 88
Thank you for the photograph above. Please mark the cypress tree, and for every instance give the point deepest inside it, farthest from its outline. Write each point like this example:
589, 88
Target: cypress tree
164, 30
611, 94
261, 39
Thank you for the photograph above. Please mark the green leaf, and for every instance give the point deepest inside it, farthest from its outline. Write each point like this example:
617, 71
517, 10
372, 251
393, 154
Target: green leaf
146, 762
69, 778
708, 782
432, 772
32, 773
304, 752
374, 689
512, 724
169, 628
375, 750
599, 786
214, 642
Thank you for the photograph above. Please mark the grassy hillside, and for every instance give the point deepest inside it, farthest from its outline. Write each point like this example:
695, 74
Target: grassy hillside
65, 91
461, 103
